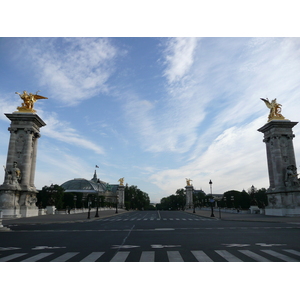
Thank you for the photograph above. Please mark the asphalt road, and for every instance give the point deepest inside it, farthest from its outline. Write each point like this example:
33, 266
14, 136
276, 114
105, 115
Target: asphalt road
160, 236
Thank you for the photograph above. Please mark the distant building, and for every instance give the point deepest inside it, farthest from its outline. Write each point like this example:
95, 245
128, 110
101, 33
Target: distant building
94, 186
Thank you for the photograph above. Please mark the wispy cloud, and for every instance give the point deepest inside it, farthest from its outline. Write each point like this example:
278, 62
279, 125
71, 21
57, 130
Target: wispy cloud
73, 69
179, 57
62, 131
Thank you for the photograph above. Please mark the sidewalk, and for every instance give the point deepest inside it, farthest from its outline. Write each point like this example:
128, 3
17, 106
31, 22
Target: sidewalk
243, 216
63, 218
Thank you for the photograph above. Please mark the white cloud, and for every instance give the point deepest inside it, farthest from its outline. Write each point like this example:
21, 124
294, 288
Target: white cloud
73, 69
179, 57
62, 131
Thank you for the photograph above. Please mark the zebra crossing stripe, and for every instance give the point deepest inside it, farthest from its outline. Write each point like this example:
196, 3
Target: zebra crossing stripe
120, 256
201, 256
92, 257
228, 256
36, 257
12, 256
253, 255
292, 251
279, 255
147, 256
65, 257
174, 256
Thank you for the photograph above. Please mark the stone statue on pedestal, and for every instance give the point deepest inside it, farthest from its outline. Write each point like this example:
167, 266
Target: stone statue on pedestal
284, 190
18, 192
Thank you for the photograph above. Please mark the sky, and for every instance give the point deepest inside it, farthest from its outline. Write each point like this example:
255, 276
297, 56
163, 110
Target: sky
154, 110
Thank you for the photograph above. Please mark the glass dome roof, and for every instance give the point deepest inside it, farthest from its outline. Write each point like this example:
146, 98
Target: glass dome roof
81, 185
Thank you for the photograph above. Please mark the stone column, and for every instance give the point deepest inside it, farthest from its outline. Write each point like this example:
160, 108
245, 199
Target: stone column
18, 193
284, 191
189, 196
121, 195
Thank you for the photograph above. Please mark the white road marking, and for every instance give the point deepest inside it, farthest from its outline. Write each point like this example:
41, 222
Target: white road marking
228, 256
36, 257
201, 256
92, 257
269, 245
8, 248
279, 255
292, 251
236, 245
12, 256
174, 256
253, 255
45, 247
120, 256
165, 246
65, 257
147, 256
123, 246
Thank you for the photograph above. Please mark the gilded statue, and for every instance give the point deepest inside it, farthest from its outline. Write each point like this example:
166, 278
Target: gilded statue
188, 181
28, 101
121, 180
275, 109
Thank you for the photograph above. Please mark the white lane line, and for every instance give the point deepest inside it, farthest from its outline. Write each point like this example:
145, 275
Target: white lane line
92, 257
12, 256
36, 257
253, 255
65, 257
201, 256
120, 256
228, 256
279, 255
147, 256
159, 217
174, 256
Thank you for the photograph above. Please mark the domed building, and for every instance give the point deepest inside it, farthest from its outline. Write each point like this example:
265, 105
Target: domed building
95, 186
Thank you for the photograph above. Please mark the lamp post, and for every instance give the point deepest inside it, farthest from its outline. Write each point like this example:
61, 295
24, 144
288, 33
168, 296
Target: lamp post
117, 204
75, 199
89, 207
97, 206
211, 200
97, 200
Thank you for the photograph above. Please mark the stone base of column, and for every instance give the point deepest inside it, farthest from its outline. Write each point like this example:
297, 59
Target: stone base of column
26, 211
283, 204
9, 203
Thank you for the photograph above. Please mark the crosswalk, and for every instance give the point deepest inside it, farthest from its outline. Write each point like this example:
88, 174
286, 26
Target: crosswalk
154, 219
265, 255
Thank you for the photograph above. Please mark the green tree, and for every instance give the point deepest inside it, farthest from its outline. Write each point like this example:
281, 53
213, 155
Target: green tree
51, 195
135, 198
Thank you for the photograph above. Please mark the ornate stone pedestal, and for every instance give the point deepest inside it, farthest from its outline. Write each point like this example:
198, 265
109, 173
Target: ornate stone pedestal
284, 191
121, 195
18, 193
50, 210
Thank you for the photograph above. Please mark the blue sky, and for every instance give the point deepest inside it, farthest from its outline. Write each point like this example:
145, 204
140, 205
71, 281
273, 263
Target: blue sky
152, 110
